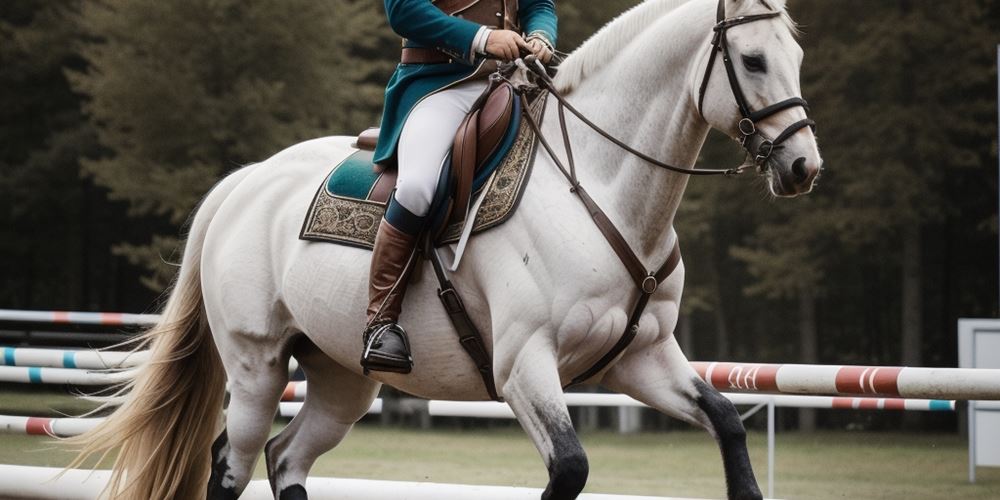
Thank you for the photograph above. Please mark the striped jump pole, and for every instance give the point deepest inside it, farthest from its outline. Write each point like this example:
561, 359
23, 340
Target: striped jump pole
40, 426
62, 376
492, 409
65, 427
869, 381
82, 359
69, 426
78, 318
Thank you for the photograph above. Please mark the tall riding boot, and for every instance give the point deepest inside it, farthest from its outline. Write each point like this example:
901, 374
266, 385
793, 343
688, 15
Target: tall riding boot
386, 346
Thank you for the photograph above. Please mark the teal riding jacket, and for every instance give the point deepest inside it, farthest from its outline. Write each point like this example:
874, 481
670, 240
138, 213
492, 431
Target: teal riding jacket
424, 25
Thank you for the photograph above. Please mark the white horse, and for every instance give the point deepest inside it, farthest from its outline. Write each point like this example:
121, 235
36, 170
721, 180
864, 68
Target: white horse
546, 290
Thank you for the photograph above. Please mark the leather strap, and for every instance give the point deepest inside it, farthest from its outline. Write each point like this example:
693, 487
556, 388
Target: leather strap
469, 336
646, 281
632, 329
420, 55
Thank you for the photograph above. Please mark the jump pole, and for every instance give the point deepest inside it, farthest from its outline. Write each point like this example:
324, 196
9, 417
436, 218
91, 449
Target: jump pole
868, 381
88, 359
42, 482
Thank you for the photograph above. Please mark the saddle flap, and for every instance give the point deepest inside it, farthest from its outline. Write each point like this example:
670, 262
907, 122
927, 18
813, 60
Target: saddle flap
463, 165
494, 119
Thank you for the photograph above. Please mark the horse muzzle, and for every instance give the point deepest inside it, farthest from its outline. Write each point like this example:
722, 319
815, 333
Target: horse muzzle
795, 177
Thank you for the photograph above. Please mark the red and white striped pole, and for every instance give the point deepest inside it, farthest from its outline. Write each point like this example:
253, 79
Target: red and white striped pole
870, 381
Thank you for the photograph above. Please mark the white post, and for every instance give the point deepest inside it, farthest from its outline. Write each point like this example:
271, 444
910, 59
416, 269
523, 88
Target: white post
629, 419
972, 441
770, 448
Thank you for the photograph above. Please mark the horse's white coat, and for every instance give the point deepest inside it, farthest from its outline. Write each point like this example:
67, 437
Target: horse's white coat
546, 290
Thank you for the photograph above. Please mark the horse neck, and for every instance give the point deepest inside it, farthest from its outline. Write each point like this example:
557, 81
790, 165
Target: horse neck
644, 97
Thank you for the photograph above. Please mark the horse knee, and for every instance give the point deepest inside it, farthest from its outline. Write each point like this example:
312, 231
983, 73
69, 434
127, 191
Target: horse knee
567, 475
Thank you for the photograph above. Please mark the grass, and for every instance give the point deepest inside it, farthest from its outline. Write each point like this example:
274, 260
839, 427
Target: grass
824, 465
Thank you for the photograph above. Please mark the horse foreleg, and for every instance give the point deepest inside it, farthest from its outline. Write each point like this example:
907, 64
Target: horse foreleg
534, 393
336, 399
661, 377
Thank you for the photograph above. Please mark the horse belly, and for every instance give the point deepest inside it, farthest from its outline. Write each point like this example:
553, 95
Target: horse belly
326, 290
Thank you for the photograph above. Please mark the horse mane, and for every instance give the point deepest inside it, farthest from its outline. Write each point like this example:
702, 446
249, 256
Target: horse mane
615, 36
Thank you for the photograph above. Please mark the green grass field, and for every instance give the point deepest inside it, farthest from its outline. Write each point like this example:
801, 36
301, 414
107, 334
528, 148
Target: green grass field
824, 465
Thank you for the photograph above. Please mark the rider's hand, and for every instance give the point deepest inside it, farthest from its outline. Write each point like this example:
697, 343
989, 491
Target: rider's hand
506, 45
540, 49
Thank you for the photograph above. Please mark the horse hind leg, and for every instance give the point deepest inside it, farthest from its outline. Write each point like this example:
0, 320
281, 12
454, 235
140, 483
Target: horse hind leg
534, 393
257, 377
662, 378
336, 399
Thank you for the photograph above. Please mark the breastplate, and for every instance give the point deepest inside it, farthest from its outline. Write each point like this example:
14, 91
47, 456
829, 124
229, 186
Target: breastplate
497, 14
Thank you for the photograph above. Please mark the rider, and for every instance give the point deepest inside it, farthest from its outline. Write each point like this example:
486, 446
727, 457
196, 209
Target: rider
449, 47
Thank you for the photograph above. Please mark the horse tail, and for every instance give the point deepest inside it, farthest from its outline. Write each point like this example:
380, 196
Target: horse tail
171, 410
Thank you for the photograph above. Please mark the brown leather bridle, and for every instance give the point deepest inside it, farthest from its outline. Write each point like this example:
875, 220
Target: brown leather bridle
756, 145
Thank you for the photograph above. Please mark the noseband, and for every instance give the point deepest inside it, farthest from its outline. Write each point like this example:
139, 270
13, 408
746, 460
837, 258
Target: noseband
756, 145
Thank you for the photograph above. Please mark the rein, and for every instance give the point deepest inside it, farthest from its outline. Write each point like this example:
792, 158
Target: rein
758, 148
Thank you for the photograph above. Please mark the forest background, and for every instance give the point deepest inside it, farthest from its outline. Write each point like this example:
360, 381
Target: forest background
116, 116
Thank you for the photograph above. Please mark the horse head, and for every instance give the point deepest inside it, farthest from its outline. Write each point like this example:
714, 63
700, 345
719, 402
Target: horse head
749, 88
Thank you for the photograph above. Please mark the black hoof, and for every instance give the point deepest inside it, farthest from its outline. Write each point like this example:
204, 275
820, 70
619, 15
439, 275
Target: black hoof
293, 492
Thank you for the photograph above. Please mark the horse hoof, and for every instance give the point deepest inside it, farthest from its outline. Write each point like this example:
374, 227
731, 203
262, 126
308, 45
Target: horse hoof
293, 492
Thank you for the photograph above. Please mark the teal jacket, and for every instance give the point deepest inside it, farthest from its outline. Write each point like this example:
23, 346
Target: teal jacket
424, 25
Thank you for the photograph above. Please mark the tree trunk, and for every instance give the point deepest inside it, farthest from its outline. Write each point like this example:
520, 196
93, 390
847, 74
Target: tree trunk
912, 309
721, 333
722, 350
808, 348
912, 303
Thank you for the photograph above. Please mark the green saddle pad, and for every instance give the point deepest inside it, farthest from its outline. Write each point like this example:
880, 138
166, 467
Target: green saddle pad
344, 212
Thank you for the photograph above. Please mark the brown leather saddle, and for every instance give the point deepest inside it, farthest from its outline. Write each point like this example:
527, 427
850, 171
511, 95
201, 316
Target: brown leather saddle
477, 140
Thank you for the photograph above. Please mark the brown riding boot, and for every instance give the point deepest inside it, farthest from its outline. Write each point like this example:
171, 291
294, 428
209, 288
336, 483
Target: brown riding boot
386, 346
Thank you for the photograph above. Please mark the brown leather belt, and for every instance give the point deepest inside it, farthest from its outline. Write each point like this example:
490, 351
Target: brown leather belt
420, 55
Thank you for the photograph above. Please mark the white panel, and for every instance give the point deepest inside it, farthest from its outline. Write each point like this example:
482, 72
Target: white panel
987, 438
987, 353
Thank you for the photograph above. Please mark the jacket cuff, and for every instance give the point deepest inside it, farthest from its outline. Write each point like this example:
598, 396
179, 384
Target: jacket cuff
479, 43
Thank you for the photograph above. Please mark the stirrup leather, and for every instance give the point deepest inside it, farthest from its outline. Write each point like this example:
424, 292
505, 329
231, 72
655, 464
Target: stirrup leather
375, 359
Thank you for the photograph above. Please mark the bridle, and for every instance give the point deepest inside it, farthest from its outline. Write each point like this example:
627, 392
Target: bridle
756, 145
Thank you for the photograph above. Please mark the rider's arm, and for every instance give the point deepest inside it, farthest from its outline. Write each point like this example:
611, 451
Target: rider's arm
538, 19
422, 22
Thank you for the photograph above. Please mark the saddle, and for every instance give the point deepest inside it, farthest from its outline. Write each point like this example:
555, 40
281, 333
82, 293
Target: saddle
477, 141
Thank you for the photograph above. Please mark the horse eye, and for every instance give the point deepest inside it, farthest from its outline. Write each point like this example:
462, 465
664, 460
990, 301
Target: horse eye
755, 64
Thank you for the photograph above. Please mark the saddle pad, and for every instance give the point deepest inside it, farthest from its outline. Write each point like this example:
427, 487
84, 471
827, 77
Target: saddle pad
344, 212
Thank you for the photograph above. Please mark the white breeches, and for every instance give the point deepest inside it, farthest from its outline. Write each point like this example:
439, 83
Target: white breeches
426, 140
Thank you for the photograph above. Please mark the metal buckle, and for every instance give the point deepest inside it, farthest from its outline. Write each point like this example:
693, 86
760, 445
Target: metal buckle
649, 284
763, 153
747, 127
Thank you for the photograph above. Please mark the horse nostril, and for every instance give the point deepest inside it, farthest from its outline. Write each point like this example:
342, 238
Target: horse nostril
799, 169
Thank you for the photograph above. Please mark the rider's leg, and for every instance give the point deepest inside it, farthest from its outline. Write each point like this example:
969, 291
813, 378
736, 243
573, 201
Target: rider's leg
424, 143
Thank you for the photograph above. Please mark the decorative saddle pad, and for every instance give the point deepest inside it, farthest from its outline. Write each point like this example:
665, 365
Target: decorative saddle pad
345, 209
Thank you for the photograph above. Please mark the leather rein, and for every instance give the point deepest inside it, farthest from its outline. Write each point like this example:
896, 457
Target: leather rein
758, 148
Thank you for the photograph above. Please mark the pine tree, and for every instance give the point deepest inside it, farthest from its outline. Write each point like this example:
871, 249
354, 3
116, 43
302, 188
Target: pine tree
186, 90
